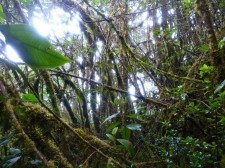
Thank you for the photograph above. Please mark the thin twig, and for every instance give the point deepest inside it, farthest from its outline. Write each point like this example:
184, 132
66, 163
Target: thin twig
146, 99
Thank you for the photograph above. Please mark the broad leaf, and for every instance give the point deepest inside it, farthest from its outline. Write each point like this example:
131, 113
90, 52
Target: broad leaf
114, 131
112, 138
124, 142
134, 126
34, 49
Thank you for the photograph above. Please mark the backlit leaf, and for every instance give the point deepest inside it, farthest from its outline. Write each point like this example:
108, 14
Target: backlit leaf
33, 49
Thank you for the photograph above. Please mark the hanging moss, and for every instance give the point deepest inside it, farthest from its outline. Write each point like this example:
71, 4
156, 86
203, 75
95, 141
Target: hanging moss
51, 91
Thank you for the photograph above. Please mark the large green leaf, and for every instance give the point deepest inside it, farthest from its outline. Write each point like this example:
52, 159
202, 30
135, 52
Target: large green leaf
35, 50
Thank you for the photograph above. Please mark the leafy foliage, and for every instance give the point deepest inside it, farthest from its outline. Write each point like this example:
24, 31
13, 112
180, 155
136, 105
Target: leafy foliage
34, 49
12, 156
146, 78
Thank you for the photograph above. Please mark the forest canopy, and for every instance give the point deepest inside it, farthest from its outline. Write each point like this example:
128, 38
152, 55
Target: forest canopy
112, 83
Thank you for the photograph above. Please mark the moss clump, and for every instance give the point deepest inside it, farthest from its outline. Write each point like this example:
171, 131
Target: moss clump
51, 164
60, 144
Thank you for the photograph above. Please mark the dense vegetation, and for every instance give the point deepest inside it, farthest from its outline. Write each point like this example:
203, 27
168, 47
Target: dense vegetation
143, 84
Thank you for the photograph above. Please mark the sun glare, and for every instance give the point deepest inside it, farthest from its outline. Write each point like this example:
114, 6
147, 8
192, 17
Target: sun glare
79, 59
58, 25
41, 26
12, 54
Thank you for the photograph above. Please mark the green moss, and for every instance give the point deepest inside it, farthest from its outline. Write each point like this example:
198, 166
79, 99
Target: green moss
51, 91
62, 145
51, 164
